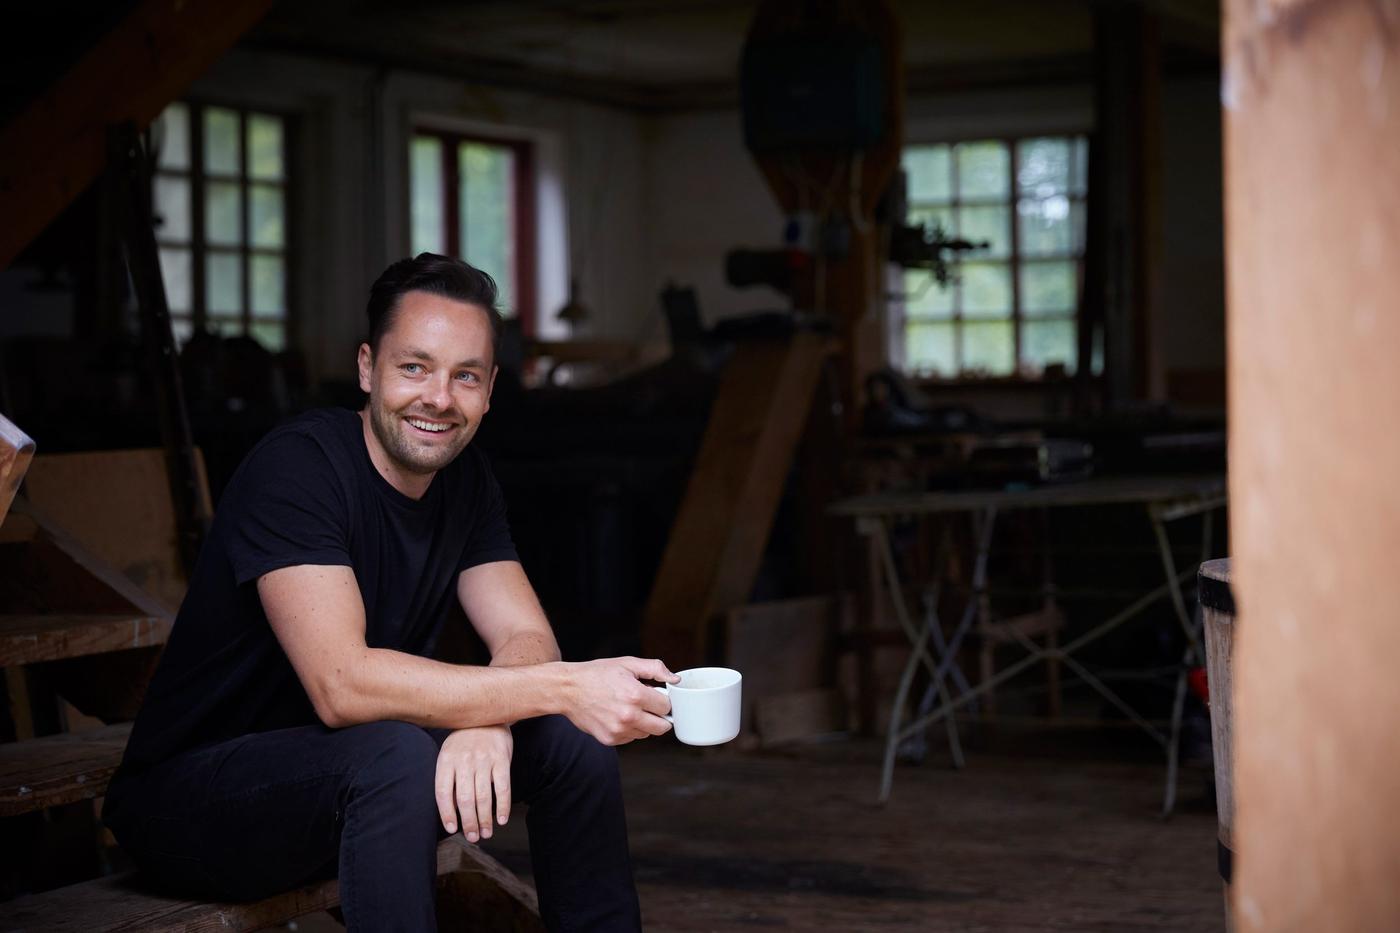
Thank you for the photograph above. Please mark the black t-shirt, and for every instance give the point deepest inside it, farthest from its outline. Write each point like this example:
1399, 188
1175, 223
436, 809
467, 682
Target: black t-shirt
308, 494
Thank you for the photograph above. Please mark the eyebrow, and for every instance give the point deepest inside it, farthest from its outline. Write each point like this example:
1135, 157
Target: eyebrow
425, 356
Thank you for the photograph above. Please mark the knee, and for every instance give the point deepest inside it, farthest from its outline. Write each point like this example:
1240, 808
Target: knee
400, 763
572, 754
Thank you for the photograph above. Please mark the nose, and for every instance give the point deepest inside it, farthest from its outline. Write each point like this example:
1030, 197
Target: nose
437, 394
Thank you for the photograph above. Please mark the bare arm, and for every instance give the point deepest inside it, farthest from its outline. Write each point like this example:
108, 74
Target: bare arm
319, 619
505, 612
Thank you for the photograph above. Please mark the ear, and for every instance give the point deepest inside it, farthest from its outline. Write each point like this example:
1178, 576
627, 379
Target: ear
365, 362
490, 385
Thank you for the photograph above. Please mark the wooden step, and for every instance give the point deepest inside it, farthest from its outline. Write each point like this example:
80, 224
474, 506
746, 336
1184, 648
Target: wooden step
28, 639
474, 892
58, 769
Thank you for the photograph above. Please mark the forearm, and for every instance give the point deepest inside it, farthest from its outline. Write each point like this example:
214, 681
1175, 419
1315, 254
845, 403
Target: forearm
379, 684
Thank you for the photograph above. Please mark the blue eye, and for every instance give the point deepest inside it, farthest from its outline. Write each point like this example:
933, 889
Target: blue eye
467, 377
412, 369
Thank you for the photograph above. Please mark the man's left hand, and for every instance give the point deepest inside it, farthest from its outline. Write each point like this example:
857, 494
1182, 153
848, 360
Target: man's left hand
470, 764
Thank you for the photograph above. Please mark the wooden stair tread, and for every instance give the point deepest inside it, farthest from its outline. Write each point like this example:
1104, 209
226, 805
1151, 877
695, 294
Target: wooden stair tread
28, 639
121, 902
59, 769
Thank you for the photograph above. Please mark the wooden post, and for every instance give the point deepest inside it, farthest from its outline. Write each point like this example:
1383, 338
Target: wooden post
1311, 92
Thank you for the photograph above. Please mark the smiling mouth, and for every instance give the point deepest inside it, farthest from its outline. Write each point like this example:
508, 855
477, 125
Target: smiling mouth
429, 427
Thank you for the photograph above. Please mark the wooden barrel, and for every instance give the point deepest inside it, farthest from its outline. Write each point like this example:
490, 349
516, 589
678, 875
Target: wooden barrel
1218, 612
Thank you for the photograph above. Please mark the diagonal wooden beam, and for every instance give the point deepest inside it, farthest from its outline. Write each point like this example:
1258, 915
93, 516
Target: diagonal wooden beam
716, 544
54, 148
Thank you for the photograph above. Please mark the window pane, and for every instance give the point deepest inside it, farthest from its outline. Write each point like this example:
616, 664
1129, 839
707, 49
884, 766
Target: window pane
182, 327
487, 197
175, 273
271, 334
923, 296
1046, 225
425, 183
983, 170
986, 289
224, 325
269, 285
1044, 167
1046, 342
931, 216
265, 146
221, 141
928, 348
266, 216
173, 137
172, 208
223, 219
928, 170
1079, 181
1048, 287
223, 282
989, 347
992, 224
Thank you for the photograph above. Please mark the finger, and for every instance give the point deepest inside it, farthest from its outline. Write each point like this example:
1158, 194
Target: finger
649, 669
654, 701
500, 776
483, 802
442, 791
653, 725
466, 804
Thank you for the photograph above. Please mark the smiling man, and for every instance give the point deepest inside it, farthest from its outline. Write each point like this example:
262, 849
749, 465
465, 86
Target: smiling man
297, 727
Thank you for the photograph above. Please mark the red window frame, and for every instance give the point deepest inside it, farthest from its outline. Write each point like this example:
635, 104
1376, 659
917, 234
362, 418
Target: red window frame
526, 301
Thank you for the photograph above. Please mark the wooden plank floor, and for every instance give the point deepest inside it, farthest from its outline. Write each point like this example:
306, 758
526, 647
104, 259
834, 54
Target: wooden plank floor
1025, 839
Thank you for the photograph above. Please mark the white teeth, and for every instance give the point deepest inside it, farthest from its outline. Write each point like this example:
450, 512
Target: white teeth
428, 426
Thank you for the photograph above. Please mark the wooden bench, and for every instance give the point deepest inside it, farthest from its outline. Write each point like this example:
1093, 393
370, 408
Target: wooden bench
474, 892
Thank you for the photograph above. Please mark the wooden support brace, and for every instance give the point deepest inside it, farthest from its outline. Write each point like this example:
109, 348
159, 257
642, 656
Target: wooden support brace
716, 544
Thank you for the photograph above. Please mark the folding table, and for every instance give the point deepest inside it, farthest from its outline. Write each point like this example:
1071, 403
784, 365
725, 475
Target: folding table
1165, 498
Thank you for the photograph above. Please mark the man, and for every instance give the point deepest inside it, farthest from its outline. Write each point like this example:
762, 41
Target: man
296, 727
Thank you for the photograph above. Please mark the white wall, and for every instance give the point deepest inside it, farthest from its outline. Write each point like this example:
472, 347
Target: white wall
704, 196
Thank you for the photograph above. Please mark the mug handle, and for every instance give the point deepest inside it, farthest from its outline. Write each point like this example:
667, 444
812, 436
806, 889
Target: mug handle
668, 717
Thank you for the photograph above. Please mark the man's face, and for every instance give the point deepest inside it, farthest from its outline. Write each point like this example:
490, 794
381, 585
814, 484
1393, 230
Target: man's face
430, 382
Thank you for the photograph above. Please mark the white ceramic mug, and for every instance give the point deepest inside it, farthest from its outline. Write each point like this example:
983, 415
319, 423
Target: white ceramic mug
705, 705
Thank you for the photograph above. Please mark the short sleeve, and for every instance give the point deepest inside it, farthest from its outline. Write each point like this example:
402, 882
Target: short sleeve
490, 538
287, 508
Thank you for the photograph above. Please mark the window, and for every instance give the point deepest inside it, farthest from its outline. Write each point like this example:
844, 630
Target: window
220, 193
1010, 309
470, 198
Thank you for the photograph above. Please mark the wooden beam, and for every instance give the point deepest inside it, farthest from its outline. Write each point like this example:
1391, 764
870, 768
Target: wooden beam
713, 553
30, 639
16, 451
54, 148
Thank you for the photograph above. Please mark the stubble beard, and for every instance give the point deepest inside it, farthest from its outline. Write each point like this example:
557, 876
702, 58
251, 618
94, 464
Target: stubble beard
392, 432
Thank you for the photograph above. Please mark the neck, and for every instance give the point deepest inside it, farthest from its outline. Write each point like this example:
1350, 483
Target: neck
407, 482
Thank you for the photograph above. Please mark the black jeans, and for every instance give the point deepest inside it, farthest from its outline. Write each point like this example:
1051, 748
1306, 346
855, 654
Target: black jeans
262, 813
